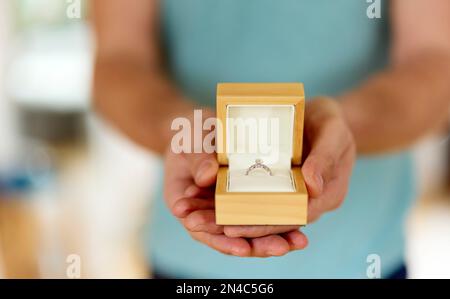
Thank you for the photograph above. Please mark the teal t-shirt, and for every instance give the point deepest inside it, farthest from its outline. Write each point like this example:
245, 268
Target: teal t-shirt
330, 46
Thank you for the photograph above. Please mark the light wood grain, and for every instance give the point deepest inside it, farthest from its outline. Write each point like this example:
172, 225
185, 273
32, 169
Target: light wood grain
254, 208
261, 208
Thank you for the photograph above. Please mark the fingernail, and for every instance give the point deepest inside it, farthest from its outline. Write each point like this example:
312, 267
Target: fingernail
198, 228
191, 191
272, 252
204, 166
238, 251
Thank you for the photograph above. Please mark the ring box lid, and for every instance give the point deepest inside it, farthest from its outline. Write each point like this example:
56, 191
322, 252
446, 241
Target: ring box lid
260, 121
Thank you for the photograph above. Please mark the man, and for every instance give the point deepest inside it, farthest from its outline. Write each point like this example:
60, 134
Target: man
375, 86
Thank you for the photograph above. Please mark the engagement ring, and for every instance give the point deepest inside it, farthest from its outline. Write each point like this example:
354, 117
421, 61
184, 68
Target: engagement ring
259, 165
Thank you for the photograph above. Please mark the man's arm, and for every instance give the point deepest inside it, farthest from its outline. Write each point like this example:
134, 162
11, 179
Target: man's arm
388, 112
410, 98
131, 89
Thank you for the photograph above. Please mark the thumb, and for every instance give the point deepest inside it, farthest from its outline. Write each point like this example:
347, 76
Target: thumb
314, 171
203, 168
328, 146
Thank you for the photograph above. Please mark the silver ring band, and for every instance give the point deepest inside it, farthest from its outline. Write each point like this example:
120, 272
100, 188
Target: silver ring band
259, 165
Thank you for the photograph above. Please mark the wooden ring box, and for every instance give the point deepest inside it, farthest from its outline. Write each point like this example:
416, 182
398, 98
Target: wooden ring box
260, 121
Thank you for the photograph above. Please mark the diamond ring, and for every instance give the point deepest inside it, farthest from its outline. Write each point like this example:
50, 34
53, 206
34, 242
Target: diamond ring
259, 165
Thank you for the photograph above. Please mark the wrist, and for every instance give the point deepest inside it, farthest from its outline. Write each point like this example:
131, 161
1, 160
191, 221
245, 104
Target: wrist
355, 118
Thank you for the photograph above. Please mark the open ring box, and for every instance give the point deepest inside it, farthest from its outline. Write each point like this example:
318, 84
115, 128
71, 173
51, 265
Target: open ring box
260, 122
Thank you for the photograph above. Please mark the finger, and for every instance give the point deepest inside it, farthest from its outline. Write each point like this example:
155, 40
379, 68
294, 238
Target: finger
254, 231
185, 206
336, 189
329, 145
203, 168
328, 201
273, 245
175, 188
202, 221
296, 240
192, 191
195, 191
224, 244
177, 178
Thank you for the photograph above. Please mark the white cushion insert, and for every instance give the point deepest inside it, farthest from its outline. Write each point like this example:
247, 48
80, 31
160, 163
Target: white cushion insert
259, 181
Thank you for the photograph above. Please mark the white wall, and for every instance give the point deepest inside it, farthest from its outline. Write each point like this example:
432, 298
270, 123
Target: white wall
8, 136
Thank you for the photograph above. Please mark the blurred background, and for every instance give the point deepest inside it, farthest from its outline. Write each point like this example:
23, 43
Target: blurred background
75, 194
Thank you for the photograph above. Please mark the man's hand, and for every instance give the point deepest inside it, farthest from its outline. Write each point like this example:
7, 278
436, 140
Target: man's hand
330, 153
